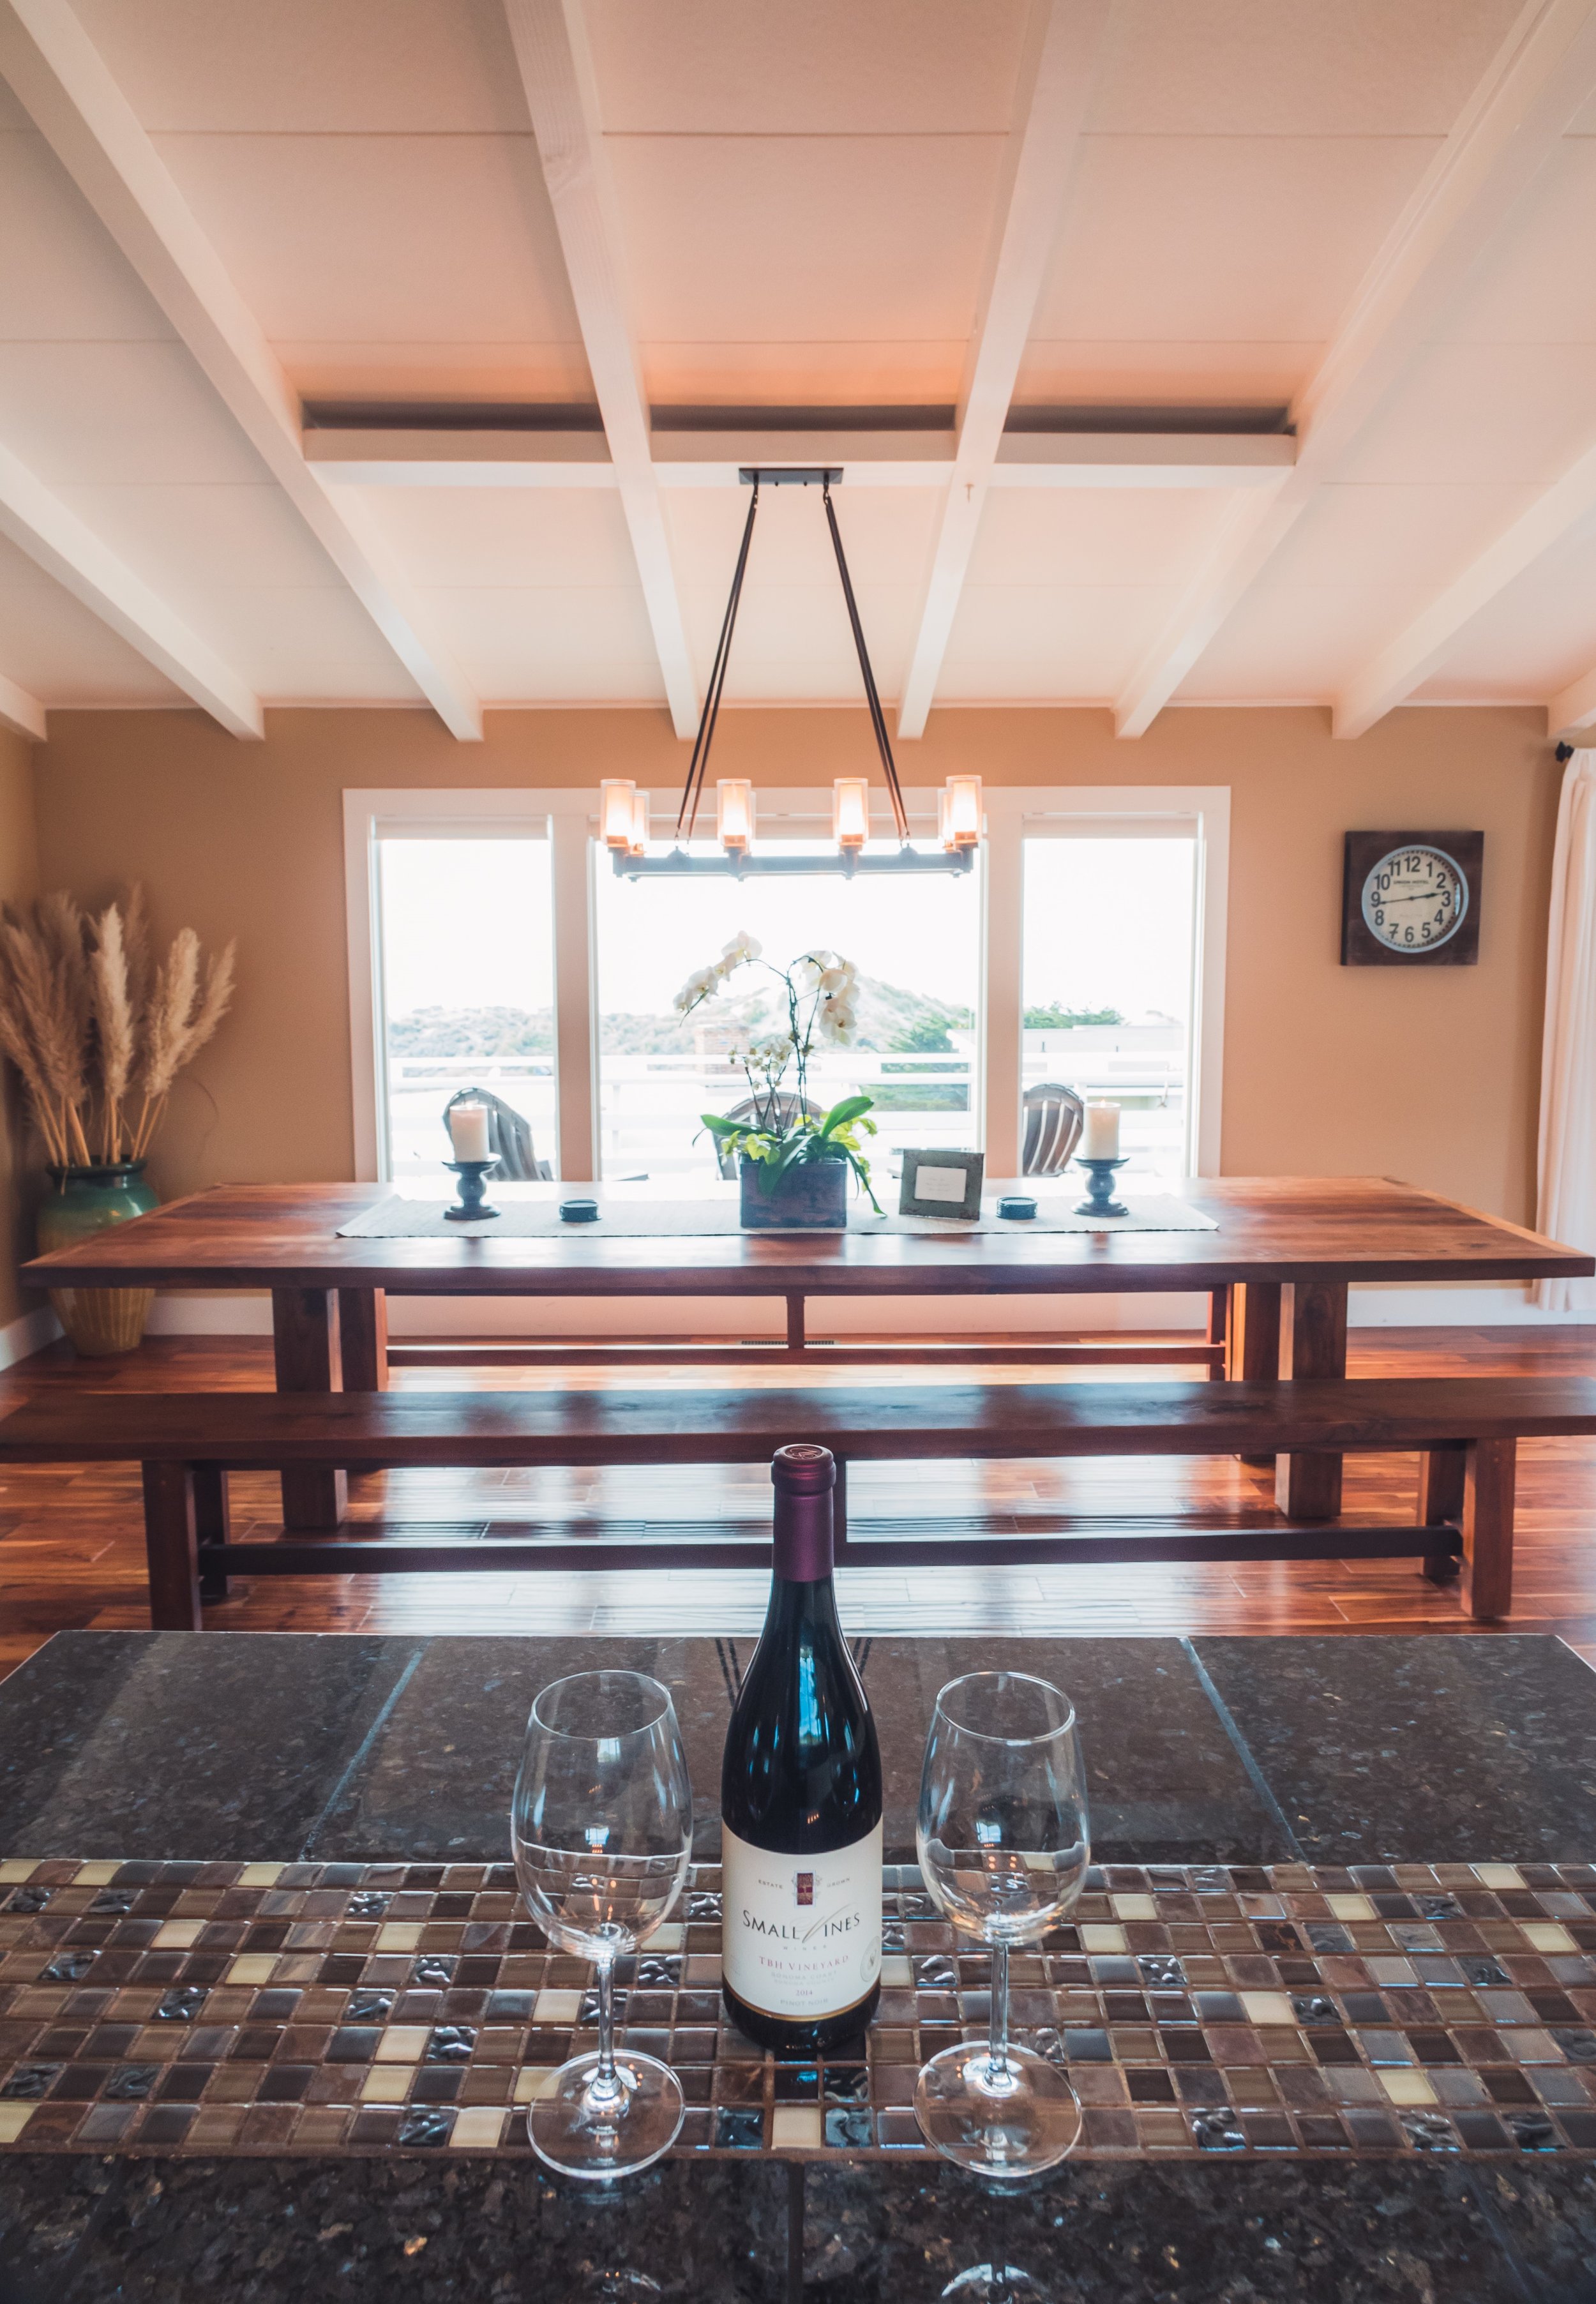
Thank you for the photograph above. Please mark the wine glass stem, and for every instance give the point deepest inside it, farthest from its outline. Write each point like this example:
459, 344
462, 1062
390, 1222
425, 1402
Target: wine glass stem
604, 2084
998, 2038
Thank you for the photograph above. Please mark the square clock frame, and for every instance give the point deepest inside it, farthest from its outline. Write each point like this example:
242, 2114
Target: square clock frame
1425, 863
942, 1185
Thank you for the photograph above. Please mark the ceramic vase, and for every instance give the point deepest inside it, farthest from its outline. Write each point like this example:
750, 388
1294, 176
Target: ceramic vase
81, 1201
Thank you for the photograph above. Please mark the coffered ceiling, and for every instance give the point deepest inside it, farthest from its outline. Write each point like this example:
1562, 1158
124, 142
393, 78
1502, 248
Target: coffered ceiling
1173, 352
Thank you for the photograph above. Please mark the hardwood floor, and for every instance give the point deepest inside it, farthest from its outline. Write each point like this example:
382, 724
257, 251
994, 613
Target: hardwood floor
72, 1546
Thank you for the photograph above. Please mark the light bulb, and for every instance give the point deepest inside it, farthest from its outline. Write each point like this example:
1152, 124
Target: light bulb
850, 811
734, 814
615, 796
960, 815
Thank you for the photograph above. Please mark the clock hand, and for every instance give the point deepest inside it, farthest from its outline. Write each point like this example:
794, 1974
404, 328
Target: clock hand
1432, 897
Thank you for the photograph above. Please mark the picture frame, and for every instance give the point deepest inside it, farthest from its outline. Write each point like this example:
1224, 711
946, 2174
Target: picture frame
942, 1185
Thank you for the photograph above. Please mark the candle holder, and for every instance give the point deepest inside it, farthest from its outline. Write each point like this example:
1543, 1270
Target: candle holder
1099, 1200
470, 1205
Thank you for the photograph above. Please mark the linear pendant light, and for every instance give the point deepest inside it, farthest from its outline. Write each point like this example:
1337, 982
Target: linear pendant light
624, 811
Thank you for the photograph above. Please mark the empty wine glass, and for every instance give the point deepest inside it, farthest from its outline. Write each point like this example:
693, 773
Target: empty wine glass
602, 1829
1003, 1843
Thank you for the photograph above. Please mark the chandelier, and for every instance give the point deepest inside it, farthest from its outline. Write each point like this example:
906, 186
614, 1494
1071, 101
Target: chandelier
624, 811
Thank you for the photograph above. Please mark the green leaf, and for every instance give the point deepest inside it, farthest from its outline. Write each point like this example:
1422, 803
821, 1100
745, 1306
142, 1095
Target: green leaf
852, 1107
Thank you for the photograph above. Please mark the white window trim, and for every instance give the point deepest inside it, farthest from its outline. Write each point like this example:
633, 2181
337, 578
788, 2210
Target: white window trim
568, 819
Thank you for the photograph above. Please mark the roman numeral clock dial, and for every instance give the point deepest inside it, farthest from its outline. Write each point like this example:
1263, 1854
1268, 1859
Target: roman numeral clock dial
1411, 898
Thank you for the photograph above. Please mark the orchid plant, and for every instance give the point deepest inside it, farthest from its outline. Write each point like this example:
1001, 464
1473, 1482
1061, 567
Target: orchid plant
821, 992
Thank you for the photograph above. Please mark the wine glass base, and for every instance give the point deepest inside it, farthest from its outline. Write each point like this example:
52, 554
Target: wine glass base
1029, 2122
583, 2136
994, 2283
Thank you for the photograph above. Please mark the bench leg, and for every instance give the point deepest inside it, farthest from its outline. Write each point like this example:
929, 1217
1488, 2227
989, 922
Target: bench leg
796, 1337
171, 1543
305, 1343
1442, 1476
1254, 1343
1308, 1486
212, 1526
1488, 1526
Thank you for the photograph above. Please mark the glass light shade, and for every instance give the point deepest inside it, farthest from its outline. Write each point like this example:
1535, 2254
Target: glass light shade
638, 829
850, 811
733, 813
615, 796
960, 815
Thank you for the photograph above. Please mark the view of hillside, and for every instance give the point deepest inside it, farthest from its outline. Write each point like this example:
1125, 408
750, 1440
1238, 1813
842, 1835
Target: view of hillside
891, 1021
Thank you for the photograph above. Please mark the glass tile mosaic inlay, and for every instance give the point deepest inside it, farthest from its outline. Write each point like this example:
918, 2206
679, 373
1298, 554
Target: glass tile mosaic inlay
330, 2007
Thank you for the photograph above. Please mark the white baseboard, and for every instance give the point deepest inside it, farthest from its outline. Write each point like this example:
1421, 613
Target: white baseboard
211, 1312
29, 1333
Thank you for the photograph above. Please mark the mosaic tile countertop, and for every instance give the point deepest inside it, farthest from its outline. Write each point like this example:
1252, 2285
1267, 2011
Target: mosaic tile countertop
341, 2008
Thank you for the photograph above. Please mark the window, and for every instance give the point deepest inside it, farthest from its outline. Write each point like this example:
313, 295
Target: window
492, 945
464, 965
915, 942
1108, 979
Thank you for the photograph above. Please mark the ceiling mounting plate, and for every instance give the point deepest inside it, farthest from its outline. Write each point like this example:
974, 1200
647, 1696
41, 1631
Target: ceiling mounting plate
789, 475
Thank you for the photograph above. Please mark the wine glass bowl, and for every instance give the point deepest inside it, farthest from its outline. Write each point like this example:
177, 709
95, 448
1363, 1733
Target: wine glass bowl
1004, 1845
601, 1830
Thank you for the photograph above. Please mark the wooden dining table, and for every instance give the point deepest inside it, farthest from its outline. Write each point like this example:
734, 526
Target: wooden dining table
1276, 1265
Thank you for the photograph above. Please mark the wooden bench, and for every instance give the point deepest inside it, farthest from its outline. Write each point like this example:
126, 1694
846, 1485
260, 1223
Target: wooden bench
1465, 1428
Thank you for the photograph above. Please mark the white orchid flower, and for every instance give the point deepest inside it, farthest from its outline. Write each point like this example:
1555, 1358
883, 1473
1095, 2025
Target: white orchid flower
838, 977
698, 986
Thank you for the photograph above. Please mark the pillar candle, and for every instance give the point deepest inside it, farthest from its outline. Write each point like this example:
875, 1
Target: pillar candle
468, 1130
1099, 1138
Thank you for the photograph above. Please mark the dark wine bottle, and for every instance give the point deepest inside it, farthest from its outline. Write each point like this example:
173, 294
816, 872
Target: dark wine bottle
800, 1800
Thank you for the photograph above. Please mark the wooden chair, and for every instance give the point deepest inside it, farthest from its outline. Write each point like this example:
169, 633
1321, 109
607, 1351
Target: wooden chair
1054, 1117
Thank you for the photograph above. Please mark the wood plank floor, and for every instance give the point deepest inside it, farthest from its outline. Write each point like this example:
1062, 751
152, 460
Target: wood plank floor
72, 1548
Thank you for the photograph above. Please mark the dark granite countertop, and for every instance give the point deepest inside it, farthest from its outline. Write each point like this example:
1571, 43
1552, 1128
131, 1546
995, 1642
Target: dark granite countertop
283, 1745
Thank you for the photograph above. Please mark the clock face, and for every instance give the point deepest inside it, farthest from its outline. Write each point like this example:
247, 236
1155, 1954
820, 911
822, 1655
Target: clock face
1414, 899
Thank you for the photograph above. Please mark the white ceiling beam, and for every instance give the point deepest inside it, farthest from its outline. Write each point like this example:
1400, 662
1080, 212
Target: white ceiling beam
54, 537
556, 70
1539, 80
380, 456
1067, 39
1574, 707
23, 714
58, 74
1424, 645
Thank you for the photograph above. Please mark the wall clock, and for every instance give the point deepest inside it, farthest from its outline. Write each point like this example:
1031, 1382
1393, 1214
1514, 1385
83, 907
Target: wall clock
1411, 899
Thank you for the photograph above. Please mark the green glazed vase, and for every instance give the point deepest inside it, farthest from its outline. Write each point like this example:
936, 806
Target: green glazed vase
81, 1201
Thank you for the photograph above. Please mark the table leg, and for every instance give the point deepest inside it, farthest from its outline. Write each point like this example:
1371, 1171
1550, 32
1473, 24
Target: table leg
1253, 1342
171, 1549
212, 1526
363, 1338
1488, 1526
1218, 1327
1441, 1499
1309, 1487
305, 1337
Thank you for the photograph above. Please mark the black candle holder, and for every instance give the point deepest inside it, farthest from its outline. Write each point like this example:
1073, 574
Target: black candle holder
1099, 1200
470, 1205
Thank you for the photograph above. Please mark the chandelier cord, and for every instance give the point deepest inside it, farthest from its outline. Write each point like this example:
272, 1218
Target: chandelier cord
877, 717
687, 814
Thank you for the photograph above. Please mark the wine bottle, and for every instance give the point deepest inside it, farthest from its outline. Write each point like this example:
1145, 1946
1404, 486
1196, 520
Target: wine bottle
800, 1800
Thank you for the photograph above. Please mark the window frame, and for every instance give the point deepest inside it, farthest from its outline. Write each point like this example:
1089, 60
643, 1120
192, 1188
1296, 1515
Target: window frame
568, 819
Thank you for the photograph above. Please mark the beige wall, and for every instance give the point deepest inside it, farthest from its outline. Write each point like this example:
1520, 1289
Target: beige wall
19, 881
1431, 1076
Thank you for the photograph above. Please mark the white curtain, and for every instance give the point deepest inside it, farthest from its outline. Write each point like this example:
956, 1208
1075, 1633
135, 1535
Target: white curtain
1566, 1199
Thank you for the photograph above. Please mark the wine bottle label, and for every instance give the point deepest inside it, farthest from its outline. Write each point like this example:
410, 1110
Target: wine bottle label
801, 1936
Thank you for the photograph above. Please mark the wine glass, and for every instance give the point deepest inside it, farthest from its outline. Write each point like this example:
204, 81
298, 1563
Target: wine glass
602, 1829
1003, 1843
